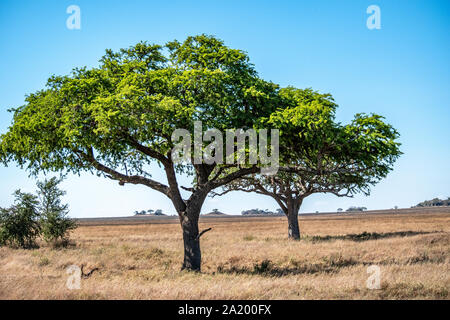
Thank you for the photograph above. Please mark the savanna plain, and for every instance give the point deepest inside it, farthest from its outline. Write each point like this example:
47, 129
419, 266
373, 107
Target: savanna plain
243, 258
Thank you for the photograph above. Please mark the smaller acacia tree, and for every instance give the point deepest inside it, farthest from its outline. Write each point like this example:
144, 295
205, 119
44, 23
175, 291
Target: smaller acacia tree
19, 224
54, 220
319, 155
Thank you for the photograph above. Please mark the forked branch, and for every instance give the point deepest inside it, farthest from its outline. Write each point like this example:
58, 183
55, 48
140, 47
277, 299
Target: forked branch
202, 233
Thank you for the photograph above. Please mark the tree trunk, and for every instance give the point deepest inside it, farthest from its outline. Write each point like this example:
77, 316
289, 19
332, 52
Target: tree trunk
189, 224
292, 215
192, 254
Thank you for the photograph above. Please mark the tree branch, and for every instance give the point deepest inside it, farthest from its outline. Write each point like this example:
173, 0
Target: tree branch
202, 233
115, 175
147, 150
174, 191
232, 176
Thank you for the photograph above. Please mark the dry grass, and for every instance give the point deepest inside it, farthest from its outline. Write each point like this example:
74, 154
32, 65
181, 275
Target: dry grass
247, 258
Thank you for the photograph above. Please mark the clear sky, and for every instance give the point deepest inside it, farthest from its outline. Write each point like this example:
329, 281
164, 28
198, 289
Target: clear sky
401, 71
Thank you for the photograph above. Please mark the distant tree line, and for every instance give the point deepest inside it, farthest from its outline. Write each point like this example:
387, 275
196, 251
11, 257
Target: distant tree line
436, 202
266, 212
356, 209
157, 212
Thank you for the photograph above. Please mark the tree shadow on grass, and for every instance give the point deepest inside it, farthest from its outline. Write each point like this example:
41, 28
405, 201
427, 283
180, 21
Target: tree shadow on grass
267, 268
329, 264
365, 236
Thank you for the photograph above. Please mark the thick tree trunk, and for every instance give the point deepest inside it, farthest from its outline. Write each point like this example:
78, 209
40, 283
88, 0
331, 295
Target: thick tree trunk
189, 224
294, 231
192, 254
292, 215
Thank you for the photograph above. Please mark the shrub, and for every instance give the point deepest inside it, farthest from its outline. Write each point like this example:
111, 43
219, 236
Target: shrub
54, 220
19, 224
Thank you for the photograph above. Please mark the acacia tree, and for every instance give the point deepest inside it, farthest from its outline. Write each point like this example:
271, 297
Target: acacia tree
319, 155
117, 119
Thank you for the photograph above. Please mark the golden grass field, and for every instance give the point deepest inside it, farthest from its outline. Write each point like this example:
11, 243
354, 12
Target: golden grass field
244, 258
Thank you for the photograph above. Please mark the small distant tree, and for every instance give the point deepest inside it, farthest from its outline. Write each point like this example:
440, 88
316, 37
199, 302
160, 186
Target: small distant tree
19, 224
54, 220
215, 210
150, 211
158, 212
339, 210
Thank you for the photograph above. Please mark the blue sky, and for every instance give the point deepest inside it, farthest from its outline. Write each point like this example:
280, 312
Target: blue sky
401, 71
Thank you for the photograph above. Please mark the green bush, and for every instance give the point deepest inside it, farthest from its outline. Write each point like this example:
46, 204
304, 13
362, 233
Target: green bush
54, 222
19, 224
32, 216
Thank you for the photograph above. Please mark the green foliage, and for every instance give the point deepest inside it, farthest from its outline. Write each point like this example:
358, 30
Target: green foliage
311, 138
54, 221
136, 96
327, 155
319, 154
19, 224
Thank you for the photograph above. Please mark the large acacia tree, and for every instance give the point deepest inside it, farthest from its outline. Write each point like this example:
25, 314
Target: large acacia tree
320, 155
116, 119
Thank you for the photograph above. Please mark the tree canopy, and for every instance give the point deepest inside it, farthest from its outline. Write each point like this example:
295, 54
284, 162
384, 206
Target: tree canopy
320, 155
121, 115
